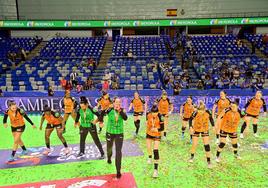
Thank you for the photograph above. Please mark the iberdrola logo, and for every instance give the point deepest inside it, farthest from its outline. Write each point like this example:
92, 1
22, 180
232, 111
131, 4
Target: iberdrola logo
30, 24
214, 21
173, 22
245, 21
1, 23
68, 24
136, 23
107, 23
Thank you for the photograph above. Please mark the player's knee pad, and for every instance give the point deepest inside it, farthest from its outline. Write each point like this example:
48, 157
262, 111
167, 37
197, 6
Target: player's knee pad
221, 145
183, 128
207, 147
235, 145
156, 154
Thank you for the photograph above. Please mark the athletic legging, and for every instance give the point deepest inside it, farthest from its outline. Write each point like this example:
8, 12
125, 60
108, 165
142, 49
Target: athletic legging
93, 132
118, 139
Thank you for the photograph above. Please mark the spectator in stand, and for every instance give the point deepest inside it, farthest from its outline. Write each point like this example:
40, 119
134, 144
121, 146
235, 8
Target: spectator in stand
226, 82
169, 85
105, 86
219, 84
176, 88
91, 63
73, 78
200, 85
68, 86
236, 73
159, 84
63, 83
50, 91
22, 54
79, 88
247, 83
259, 84
208, 82
249, 73
184, 83
89, 84
1, 92
253, 47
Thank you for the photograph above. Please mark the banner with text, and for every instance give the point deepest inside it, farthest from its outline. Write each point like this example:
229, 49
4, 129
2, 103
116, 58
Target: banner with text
36, 104
132, 23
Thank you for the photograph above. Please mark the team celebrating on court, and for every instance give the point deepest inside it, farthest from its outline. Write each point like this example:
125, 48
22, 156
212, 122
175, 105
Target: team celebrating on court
224, 119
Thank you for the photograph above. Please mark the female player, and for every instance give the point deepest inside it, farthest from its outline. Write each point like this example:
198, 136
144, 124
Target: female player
199, 125
54, 121
222, 103
115, 132
155, 124
104, 102
87, 124
165, 108
16, 116
253, 109
69, 105
138, 105
186, 111
230, 118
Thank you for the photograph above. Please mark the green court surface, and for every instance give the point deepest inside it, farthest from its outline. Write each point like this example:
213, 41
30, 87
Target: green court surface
174, 170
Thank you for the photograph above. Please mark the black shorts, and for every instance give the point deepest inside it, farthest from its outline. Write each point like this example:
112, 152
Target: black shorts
254, 116
138, 113
225, 134
185, 119
18, 129
49, 126
157, 138
203, 134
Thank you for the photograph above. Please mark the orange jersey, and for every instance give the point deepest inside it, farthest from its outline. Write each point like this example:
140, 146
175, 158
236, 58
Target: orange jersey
54, 118
138, 104
154, 122
188, 110
201, 121
16, 119
163, 106
69, 104
104, 103
253, 106
230, 121
222, 104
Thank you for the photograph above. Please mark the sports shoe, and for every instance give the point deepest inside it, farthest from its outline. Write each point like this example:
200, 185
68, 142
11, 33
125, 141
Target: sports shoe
47, 151
217, 159
24, 152
109, 161
237, 157
191, 160
118, 175
67, 151
217, 141
155, 174
80, 155
182, 136
11, 159
209, 165
149, 161
241, 136
101, 157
